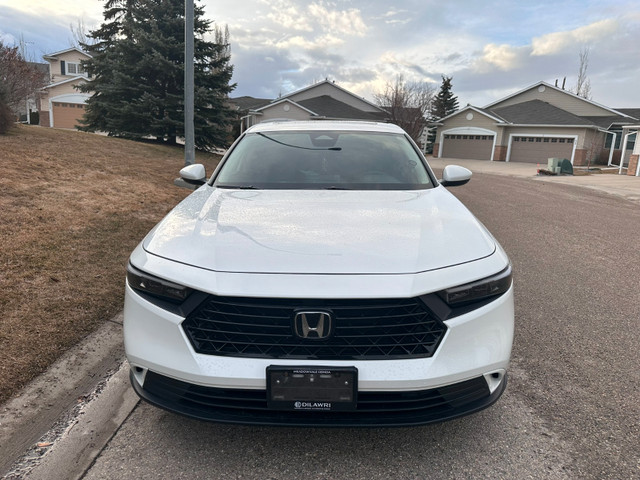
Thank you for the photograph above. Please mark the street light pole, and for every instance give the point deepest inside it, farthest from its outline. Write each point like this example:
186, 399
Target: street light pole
189, 139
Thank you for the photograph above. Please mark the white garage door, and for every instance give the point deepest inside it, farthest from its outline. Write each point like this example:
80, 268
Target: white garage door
474, 147
539, 149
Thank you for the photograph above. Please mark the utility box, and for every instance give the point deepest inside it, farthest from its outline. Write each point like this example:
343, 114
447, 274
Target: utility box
553, 165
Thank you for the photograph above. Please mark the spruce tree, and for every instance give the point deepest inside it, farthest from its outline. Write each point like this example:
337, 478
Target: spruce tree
445, 102
137, 74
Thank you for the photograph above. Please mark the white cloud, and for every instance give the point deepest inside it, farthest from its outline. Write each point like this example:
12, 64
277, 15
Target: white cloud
299, 42
557, 42
503, 57
339, 22
287, 15
8, 39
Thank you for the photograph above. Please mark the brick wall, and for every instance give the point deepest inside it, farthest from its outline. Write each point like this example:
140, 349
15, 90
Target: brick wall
44, 118
580, 158
500, 153
633, 165
436, 149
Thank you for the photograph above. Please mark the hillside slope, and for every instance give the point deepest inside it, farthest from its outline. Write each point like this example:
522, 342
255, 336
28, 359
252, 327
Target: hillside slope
73, 206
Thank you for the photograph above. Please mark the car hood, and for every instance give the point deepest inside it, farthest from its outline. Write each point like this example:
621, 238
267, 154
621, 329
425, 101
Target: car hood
320, 231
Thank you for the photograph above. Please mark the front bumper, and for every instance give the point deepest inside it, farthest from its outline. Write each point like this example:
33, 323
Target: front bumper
374, 409
466, 373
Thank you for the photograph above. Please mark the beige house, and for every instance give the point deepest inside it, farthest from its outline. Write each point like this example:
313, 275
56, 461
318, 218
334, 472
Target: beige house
61, 105
321, 101
537, 123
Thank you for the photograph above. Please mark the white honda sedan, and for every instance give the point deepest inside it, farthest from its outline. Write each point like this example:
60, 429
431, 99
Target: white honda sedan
322, 276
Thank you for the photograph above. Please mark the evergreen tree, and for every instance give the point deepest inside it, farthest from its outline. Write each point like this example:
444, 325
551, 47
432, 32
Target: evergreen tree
138, 74
445, 102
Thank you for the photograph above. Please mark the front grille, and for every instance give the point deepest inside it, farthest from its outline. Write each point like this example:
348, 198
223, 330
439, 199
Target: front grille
363, 329
373, 408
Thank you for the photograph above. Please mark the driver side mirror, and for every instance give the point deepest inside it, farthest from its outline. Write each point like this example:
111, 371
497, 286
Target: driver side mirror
454, 175
191, 176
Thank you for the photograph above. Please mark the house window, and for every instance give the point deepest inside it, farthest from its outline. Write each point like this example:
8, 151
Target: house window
531, 139
538, 140
554, 140
516, 139
561, 140
569, 140
75, 68
546, 140
607, 142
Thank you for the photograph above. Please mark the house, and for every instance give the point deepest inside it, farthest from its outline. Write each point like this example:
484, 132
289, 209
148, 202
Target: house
537, 123
61, 105
321, 101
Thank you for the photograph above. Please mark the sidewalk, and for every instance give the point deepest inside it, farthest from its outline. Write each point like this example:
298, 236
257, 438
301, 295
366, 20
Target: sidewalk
625, 186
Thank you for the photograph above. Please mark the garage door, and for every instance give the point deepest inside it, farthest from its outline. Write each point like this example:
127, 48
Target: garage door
475, 147
539, 149
67, 115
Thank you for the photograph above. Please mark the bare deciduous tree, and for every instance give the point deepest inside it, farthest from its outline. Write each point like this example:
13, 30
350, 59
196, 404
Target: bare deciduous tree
79, 34
583, 85
408, 104
18, 77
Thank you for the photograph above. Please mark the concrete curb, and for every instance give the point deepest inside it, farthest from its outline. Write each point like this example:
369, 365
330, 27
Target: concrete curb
73, 453
52, 397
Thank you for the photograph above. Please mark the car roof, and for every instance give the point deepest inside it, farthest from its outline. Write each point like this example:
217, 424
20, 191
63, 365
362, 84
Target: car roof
324, 125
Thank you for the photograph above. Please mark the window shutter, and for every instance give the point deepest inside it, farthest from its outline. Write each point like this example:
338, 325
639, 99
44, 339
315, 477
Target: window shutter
62, 69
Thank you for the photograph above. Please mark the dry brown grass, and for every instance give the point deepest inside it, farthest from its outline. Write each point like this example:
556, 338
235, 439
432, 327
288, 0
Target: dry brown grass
72, 208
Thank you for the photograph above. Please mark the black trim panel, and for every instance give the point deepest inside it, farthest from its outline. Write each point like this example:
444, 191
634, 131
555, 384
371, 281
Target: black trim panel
374, 409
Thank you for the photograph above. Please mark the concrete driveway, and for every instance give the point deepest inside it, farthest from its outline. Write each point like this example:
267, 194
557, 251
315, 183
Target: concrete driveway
622, 185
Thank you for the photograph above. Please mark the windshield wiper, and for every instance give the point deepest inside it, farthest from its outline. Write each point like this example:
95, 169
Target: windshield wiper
333, 187
239, 187
333, 149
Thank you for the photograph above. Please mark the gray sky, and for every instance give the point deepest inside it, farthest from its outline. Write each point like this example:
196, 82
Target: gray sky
492, 48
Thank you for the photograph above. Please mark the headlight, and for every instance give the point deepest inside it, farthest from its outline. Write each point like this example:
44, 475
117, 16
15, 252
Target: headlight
477, 291
158, 287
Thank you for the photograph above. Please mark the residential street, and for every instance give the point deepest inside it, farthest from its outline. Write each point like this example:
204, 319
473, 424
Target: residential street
572, 406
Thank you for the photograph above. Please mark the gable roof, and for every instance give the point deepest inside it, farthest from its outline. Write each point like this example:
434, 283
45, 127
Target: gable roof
547, 85
329, 107
335, 85
632, 112
52, 56
537, 112
284, 100
249, 103
481, 111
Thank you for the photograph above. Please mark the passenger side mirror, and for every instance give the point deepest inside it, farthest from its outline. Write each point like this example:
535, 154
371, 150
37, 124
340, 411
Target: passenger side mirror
454, 175
194, 174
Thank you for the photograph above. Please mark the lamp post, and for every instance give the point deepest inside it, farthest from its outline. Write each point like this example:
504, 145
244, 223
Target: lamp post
189, 140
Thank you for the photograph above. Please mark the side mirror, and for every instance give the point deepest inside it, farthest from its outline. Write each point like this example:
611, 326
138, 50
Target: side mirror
194, 174
454, 175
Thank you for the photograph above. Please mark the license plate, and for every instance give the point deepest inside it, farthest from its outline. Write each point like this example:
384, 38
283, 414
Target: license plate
312, 388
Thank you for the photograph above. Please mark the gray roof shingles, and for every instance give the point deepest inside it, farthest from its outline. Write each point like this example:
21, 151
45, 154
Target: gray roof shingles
537, 112
326, 106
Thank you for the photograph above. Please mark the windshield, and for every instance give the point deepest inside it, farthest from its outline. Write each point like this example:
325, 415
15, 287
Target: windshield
324, 160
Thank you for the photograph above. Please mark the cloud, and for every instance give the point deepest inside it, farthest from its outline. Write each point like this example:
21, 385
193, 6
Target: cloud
338, 22
286, 14
318, 43
503, 57
557, 42
8, 39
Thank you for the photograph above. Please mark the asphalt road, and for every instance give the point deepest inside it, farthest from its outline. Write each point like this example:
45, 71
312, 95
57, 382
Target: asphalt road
571, 409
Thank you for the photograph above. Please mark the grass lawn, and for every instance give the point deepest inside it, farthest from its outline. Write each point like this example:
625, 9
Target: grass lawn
73, 206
